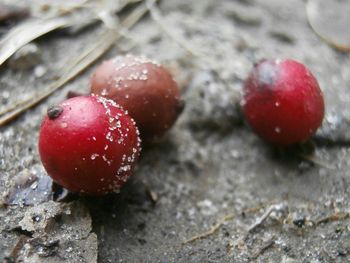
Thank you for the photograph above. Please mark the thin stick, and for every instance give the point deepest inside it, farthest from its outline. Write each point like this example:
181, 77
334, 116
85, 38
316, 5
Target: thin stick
259, 207
19, 245
211, 231
274, 208
14, 106
334, 217
137, 14
215, 227
269, 243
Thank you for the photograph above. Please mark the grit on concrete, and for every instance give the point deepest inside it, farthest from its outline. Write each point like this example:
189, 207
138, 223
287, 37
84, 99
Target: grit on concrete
209, 165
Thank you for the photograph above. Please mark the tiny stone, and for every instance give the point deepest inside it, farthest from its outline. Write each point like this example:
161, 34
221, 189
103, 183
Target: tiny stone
40, 71
299, 222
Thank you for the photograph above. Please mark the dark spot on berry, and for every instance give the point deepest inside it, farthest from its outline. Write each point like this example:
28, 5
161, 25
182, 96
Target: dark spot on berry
54, 112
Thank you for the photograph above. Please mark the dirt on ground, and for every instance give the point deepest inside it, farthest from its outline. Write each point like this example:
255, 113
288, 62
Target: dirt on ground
210, 190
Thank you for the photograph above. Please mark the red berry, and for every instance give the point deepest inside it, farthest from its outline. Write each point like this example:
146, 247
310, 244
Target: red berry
283, 102
142, 87
89, 144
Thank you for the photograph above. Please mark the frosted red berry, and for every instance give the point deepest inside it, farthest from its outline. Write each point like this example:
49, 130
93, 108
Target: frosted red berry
89, 144
283, 102
144, 88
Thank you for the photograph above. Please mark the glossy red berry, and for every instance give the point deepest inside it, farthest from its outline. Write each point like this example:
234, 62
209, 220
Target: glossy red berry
89, 144
142, 87
283, 102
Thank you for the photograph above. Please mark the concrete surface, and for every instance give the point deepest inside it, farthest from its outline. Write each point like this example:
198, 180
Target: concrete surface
210, 164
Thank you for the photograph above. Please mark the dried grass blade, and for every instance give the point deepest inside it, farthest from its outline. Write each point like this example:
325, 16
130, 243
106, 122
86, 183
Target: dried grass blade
27, 32
13, 106
85, 60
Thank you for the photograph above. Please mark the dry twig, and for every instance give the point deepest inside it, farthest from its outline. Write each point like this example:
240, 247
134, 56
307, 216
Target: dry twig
334, 217
211, 231
215, 227
269, 243
13, 106
259, 207
19, 245
282, 207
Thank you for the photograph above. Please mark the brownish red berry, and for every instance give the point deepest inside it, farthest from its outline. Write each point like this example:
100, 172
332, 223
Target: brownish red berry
144, 88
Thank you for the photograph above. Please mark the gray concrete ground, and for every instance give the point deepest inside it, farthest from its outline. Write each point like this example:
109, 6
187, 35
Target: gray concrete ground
209, 165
